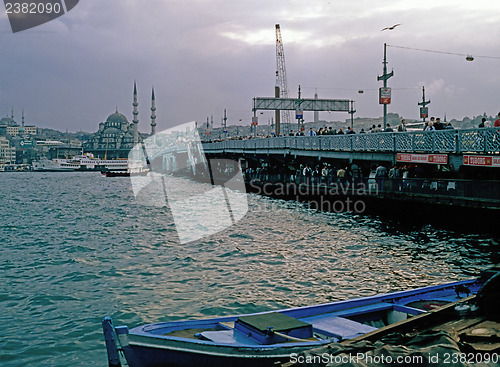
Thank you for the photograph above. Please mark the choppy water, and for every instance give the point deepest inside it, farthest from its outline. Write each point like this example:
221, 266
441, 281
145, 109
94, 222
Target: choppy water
75, 247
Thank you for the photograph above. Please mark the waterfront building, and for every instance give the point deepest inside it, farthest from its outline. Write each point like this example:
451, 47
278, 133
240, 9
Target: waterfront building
20, 130
52, 149
7, 153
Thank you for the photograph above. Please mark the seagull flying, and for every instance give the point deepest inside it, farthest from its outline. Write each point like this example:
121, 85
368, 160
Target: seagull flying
390, 28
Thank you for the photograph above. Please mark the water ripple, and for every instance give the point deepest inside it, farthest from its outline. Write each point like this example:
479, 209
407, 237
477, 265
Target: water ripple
77, 247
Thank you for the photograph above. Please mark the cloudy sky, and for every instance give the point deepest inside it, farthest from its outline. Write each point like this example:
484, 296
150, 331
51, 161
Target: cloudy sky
207, 55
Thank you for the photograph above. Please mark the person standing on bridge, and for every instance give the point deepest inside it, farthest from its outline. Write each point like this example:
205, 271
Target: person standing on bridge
402, 127
497, 122
394, 176
307, 173
438, 125
311, 132
430, 127
380, 174
342, 177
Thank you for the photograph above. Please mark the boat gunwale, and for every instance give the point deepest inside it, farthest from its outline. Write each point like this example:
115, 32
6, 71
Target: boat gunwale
395, 297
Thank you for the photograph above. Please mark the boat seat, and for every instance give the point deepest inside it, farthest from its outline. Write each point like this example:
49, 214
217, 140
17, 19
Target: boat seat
339, 327
228, 337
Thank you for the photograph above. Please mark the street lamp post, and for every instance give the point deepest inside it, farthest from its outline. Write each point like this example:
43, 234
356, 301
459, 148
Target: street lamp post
384, 78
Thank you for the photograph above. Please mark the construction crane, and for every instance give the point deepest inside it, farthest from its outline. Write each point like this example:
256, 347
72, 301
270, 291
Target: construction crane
281, 80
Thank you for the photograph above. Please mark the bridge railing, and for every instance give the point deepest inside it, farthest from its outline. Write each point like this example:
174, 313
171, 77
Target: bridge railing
485, 140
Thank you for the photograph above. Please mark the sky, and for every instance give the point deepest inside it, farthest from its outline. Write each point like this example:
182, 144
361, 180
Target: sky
204, 56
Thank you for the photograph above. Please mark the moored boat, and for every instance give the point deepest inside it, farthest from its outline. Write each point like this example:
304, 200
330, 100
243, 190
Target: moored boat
84, 162
462, 333
263, 339
134, 168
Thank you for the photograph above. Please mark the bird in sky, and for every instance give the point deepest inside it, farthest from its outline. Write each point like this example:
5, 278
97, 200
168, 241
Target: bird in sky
390, 28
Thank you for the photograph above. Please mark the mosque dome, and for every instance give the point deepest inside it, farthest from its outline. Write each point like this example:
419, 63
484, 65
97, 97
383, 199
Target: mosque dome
112, 131
8, 121
117, 117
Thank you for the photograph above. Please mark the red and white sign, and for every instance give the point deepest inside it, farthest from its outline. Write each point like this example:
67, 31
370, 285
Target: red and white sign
481, 160
255, 121
422, 158
385, 95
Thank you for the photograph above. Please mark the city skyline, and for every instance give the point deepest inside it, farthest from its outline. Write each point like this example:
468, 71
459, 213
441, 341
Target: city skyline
206, 56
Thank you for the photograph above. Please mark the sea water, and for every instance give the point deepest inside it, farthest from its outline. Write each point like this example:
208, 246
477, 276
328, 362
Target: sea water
75, 247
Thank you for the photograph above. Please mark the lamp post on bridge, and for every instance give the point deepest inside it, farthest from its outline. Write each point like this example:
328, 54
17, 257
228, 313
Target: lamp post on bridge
385, 92
352, 111
299, 114
424, 111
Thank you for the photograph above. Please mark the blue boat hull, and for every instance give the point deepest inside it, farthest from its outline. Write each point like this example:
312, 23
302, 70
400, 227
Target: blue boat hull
265, 338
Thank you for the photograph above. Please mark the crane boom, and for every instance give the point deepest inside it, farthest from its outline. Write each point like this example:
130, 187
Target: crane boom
281, 79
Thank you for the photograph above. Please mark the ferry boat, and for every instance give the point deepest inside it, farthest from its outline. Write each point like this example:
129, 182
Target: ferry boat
83, 162
267, 338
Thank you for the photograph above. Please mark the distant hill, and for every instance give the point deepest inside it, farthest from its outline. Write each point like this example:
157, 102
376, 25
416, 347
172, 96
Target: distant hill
51, 134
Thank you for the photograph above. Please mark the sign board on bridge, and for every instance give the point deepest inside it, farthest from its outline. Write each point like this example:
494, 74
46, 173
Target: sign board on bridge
385, 95
424, 112
481, 160
422, 158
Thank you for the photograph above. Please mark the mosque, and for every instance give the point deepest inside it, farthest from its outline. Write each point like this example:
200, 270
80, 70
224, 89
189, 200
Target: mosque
116, 136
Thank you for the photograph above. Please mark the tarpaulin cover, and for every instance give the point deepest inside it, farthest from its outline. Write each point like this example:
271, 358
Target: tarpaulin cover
433, 348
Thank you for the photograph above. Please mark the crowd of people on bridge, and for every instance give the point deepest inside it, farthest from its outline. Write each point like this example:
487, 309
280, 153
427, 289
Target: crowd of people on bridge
399, 177
434, 124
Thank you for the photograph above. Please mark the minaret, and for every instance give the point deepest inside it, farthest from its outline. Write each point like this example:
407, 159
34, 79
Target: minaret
135, 113
12, 113
23, 118
153, 113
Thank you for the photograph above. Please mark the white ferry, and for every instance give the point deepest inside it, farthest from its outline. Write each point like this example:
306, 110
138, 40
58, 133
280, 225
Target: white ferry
84, 162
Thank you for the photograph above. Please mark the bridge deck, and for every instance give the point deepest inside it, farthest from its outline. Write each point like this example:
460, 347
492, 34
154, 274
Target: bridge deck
486, 140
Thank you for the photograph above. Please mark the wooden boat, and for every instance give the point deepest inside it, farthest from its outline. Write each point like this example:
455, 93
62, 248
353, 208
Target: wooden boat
462, 333
266, 338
